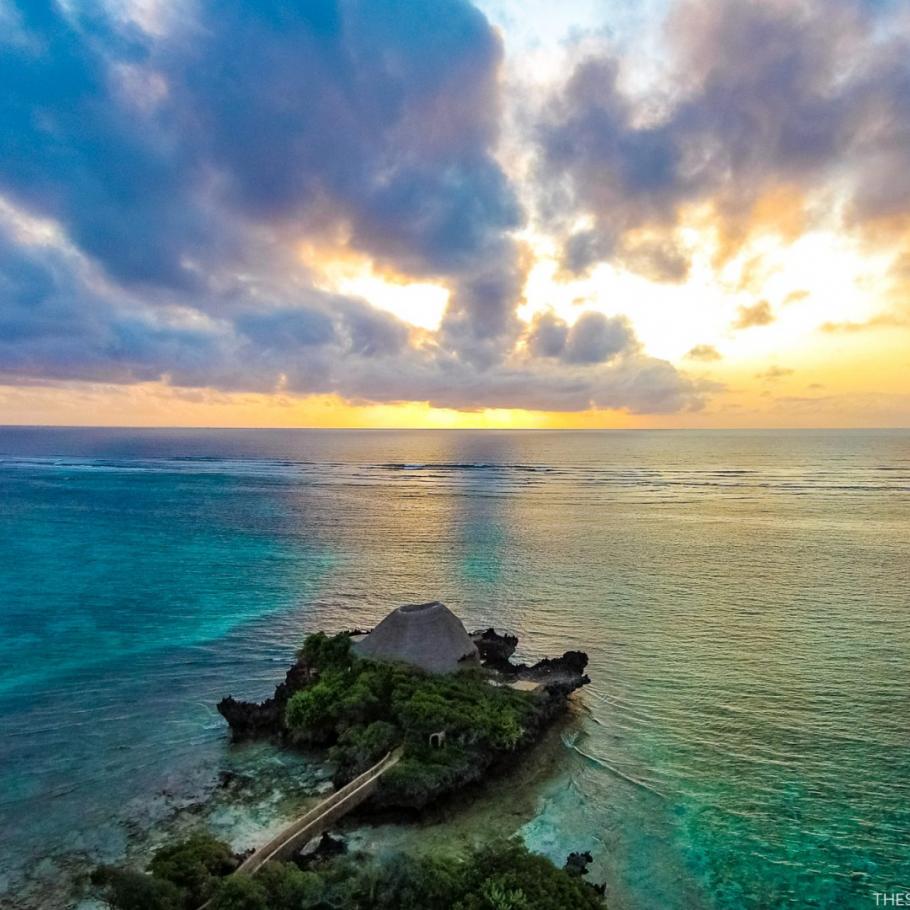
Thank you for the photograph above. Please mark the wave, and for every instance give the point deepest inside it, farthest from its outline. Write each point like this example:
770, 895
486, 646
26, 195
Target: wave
464, 466
570, 743
668, 483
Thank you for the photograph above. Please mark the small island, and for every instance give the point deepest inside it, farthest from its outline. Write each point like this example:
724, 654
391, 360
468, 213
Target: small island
455, 703
410, 713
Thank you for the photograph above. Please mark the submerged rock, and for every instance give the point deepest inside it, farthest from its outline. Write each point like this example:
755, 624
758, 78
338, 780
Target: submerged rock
319, 849
577, 863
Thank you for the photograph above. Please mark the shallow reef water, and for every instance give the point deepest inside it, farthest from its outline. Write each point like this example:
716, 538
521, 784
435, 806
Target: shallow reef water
742, 596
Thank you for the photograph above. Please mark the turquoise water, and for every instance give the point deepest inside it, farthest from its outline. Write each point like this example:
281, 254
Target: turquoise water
743, 597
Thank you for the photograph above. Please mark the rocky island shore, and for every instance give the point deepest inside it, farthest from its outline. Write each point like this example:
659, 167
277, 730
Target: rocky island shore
435, 710
453, 727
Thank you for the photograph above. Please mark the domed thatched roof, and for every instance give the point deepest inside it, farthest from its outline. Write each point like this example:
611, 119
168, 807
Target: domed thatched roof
429, 636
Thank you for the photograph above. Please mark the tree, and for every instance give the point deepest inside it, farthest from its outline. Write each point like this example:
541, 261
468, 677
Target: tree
506, 876
195, 866
128, 890
323, 652
241, 892
290, 887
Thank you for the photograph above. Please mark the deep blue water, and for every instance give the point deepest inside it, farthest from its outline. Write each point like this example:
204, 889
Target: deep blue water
743, 597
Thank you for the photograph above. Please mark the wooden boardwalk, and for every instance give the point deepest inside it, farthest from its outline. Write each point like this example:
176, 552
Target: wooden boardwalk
314, 822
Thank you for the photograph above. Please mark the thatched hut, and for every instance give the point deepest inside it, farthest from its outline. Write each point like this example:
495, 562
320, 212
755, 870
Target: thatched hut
429, 636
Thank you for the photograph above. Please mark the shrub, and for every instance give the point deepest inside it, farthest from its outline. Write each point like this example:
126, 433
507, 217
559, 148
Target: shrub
424, 773
314, 712
408, 883
365, 708
128, 890
195, 866
324, 652
506, 876
290, 887
240, 892
359, 748
502, 876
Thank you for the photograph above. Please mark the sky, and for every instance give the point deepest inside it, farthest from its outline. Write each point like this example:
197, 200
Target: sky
438, 213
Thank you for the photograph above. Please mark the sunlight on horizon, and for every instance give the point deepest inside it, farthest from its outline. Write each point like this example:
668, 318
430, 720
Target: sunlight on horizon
378, 246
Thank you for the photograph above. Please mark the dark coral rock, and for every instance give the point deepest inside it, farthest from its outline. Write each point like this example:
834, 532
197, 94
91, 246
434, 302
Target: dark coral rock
248, 719
494, 649
577, 863
558, 677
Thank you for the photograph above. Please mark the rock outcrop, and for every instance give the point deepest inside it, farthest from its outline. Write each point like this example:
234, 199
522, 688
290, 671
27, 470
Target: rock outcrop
249, 720
561, 674
558, 678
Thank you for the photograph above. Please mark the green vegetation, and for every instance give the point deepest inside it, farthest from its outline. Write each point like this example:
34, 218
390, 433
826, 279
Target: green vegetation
503, 876
184, 875
195, 866
128, 890
364, 708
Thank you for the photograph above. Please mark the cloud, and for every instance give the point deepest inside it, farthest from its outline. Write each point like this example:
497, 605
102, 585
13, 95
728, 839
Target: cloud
772, 374
595, 338
159, 153
159, 173
286, 329
868, 409
61, 320
638, 384
56, 323
547, 335
881, 321
705, 352
592, 338
370, 332
795, 104
756, 315
660, 258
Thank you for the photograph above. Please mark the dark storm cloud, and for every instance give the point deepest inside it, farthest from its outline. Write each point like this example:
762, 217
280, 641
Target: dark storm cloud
760, 97
184, 166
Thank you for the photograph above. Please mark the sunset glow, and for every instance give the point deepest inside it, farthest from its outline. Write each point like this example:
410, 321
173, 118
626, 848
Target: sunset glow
311, 267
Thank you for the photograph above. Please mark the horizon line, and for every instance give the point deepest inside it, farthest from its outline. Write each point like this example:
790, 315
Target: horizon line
410, 429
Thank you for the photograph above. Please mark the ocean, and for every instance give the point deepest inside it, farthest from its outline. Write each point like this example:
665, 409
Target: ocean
742, 596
